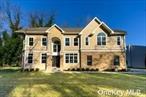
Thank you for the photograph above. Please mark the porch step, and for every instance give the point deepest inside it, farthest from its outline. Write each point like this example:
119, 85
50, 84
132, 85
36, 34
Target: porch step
55, 69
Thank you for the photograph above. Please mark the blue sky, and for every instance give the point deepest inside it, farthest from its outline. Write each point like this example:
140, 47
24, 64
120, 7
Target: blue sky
128, 15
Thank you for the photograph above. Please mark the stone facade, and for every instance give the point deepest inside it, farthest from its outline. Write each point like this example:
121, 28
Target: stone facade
102, 55
103, 60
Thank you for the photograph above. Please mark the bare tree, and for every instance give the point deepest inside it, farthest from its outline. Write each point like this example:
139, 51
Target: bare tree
41, 19
13, 15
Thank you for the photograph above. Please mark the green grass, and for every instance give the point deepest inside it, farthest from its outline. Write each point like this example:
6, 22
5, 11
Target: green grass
14, 83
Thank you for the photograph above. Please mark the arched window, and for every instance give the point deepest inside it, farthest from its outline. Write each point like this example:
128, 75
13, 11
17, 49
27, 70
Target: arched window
101, 39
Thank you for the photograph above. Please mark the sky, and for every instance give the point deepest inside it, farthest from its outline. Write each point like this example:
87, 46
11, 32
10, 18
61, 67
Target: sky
128, 15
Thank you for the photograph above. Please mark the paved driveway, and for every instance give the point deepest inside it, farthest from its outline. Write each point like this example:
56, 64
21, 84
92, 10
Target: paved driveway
137, 71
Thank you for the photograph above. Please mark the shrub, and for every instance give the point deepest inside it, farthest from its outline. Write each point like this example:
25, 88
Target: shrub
83, 69
109, 70
22, 70
92, 69
78, 69
32, 69
26, 69
122, 70
73, 69
87, 69
68, 69
97, 69
37, 69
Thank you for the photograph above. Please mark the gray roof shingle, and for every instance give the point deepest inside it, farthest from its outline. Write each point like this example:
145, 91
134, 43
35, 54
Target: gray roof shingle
67, 30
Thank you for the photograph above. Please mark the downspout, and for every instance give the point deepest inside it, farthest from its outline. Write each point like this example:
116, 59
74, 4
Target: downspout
125, 50
80, 51
46, 67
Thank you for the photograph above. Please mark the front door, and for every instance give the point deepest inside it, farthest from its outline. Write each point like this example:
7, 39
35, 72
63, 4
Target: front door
56, 61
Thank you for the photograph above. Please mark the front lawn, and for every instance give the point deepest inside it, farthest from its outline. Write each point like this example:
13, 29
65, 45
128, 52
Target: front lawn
14, 83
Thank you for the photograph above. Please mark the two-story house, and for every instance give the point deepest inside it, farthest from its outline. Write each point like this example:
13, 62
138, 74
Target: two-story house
94, 46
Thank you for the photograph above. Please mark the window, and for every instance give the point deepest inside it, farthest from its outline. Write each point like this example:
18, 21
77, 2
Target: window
101, 39
56, 46
67, 58
30, 58
75, 41
116, 60
118, 40
71, 58
67, 41
87, 40
89, 60
31, 41
44, 41
44, 58
75, 58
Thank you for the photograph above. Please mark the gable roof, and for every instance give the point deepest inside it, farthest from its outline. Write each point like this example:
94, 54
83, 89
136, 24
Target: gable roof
94, 19
119, 32
48, 30
100, 24
45, 30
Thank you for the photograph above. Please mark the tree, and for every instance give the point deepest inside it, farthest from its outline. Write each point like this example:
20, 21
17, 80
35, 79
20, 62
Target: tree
11, 43
40, 20
13, 15
50, 21
11, 47
1, 50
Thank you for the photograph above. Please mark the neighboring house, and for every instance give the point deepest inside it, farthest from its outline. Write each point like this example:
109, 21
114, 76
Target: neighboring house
94, 46
136, 56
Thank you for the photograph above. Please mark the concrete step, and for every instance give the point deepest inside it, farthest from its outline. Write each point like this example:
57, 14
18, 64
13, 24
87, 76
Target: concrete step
55, 69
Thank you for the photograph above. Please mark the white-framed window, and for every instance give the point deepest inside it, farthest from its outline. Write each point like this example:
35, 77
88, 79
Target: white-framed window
76, 41
56, 46
31, 40
118, 40
87, 41
71, 58
30, 58
44, 58
89, 60
67, 41
101, 39
116, 60
44, 41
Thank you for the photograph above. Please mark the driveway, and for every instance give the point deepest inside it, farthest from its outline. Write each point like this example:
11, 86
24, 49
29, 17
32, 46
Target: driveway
136, 71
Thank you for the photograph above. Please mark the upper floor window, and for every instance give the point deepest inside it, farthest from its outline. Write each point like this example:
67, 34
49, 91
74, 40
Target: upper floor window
67, 41
56, 46
44, 41
30, 58
76, 42
87, 40
30, 41
101, 39
118, 40
44, 58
